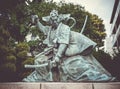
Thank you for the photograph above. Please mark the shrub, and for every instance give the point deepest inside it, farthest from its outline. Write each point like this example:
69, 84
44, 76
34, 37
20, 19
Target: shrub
22, 46
11, 59
3, 50
12, 51
28, 61
22, 54
8, 67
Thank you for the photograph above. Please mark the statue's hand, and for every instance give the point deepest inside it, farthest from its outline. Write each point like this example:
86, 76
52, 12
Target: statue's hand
57, 59
34, 18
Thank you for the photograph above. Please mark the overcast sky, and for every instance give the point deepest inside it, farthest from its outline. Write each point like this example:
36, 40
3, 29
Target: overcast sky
102, 8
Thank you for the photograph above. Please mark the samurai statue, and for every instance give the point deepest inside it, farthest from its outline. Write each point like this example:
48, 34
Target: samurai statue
67, 57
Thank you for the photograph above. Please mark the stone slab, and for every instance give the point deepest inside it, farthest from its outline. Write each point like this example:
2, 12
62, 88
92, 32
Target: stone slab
106, 85
19, 85
66, 86
58, 85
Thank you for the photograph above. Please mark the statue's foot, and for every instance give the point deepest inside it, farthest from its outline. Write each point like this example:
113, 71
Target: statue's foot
31, 78
25, 80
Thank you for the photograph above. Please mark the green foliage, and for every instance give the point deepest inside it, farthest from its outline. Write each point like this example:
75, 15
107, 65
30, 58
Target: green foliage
10, 25
33, 43
3, 50
96, 30
19, 21
11, 59
8, 67
22, 46
4, 35
28, 61
7, 58
22, 54
12, 51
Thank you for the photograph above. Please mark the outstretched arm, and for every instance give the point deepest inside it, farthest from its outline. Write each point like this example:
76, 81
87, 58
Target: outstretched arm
40, 26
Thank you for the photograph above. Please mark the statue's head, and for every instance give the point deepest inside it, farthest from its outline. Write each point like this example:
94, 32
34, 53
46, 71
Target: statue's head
54, 15
54, 18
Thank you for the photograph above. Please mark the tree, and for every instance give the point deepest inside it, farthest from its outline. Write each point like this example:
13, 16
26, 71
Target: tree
21, 53
11, 29
7, 57
95, 29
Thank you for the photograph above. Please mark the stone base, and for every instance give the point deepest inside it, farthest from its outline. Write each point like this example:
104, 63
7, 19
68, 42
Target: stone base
57, 85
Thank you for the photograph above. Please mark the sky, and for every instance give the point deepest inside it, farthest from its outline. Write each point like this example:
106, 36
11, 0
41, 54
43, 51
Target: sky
102, 8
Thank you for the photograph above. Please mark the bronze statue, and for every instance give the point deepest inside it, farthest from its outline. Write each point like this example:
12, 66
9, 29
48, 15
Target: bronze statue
68, 57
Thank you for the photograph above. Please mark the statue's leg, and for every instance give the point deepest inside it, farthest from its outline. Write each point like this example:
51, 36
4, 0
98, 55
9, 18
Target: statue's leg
83, 68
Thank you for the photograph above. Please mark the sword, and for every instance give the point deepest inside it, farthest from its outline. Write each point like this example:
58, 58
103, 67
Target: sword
83, 28
50, 63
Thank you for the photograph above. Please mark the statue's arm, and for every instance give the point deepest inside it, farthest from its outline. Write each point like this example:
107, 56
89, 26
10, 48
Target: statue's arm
61, 50
39, 25
63, 40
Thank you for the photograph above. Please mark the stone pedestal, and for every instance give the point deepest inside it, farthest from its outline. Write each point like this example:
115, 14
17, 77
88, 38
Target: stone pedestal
57, 85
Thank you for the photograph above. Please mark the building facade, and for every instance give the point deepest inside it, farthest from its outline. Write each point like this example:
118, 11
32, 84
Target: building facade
115, 28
